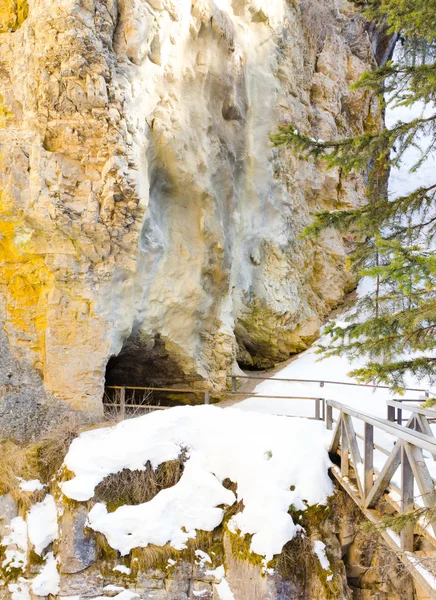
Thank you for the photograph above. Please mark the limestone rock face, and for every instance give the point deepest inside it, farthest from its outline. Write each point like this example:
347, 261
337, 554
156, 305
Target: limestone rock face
145, 215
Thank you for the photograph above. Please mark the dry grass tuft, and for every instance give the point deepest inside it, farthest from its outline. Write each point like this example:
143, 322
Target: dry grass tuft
156, 557
16, 461
38, 460
51, 449
296, 559
137, 487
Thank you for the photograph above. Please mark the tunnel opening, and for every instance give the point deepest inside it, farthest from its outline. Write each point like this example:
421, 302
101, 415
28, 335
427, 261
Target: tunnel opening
145, 362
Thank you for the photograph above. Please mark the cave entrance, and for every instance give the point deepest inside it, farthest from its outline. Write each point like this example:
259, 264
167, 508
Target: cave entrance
145, 362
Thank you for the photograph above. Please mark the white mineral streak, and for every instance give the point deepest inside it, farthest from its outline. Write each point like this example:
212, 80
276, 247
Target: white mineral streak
142, 198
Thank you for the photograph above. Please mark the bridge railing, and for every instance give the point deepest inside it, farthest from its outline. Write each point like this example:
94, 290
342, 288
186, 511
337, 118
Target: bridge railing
396, 407
413, 498
407, 454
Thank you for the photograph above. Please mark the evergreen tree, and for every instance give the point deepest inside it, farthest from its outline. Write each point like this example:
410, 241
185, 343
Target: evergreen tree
394, 326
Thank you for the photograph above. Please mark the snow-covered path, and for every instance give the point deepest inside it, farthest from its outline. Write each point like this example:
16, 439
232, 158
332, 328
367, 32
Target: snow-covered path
309, 366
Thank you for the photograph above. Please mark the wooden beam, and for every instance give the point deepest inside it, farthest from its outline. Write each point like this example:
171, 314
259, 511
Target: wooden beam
329, 417
123, 403
406, 500
429, 412
424, 425
418, 439
334, 444
423, 478
372, 516
344, 449
368, 459
356, 459
425, 428
386, 474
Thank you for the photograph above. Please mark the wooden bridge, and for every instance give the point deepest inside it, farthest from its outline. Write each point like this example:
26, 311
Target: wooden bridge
385, 465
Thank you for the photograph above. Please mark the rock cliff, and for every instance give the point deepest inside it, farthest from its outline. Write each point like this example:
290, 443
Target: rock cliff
360, 565
145, 215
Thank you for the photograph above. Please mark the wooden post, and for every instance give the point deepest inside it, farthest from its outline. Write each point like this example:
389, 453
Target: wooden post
406, 500
233, 383
323, 409
329, 417
368, 458
399, 416
391, 413
123, 403
344, 451
207, 397
317, 408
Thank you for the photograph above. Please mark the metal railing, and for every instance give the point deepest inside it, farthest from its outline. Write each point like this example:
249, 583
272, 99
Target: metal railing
121, 405
319, 402
321, 382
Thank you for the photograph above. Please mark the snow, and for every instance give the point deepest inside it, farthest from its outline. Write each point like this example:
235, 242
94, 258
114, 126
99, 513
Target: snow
394, 536
401, 181
121, 594
311, 366
308, 365
113, 588
222, 587
32, 485
122, 569
124, 595
48, 580
42, 523
203, 558
319, 550
20, 590
16, 545
223, 590
419, 564
263, 454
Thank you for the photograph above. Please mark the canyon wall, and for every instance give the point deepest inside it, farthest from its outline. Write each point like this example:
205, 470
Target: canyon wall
145, 215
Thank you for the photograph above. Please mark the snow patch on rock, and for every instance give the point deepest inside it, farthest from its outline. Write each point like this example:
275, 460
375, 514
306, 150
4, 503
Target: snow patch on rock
296, 452
42, 523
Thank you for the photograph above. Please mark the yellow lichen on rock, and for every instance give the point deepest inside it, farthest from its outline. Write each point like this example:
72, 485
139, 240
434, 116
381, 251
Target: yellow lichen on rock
12, 14
26, 280
4, 113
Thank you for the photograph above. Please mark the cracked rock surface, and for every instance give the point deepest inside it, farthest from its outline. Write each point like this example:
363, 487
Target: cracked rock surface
145, 214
